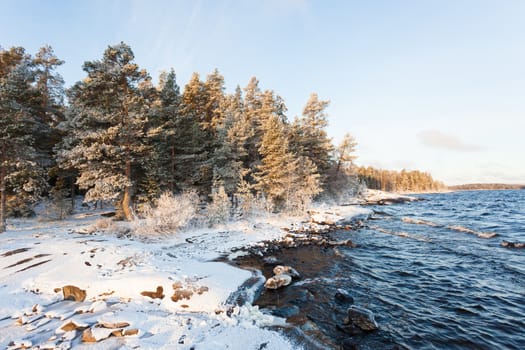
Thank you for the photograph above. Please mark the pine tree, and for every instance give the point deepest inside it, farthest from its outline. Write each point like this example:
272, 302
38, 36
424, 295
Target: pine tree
50, 86
195, 169
342, 181
49, 112
107, 121
252, 122
240, 131
309, 137
274, 176
195, 102
164, 120
214, 96
19, 173
344, 154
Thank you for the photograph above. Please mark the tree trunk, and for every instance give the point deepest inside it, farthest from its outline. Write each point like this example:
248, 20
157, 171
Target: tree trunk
126, 198
172, 177
2, 190
72, 193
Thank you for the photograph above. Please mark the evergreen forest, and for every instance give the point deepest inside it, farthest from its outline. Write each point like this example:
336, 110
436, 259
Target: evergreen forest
116, 137
399, 181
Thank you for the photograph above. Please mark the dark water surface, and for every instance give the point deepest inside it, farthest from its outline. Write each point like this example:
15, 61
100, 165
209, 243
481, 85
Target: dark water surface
424, 271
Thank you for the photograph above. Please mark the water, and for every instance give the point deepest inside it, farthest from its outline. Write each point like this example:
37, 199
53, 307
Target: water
425, 273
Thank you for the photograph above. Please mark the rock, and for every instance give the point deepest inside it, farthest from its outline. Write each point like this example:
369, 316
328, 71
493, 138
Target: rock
97, 306
177, 285
87, 336
113, 325
20, 344
132, 331
350, 329
154, 295
270, 260
180, 294
342, 296
507, 244
72, 326
286, 311
301, 296
350, 344
278, 281
74, 293
346, 242
324, 218
124, 332
202, 290
288, 270
360, 318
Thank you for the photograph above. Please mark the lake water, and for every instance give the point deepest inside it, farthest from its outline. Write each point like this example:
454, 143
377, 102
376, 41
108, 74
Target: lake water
425, 269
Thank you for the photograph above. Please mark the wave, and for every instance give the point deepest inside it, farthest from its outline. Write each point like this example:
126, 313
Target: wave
468, 230
420, 222
400, 234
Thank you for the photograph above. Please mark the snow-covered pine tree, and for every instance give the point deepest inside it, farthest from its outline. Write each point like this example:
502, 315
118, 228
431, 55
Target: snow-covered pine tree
164, 117
239, 128
289, 181
195, 169
227, 168
305, 186
106, 127
252, 123
203, 101
50, 86
274, 176
309, 137
342, 181
214, 95
19, 174
49, 112
344, 153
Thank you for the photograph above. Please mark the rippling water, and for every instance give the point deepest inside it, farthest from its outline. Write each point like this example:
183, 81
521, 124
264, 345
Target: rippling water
426, 273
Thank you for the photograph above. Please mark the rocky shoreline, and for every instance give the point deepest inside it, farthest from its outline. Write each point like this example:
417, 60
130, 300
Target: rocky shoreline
308, 249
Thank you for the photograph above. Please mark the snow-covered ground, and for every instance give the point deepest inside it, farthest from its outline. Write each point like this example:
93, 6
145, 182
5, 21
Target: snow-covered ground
374, 196
38, 258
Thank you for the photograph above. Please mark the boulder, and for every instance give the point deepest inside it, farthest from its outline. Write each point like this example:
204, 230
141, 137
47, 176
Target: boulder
124, 332
288, 270
72, 326
74, 293
361, 318
112, 325
324, 218
87, 336
158, 294
201, 290
507, 244
179, 294
286, 311
343, 297
278, 281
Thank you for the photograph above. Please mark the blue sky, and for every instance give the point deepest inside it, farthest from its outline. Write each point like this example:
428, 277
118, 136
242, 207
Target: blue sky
434, 85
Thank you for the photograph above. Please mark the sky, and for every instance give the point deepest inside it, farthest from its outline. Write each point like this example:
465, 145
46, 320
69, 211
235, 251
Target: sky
432, 85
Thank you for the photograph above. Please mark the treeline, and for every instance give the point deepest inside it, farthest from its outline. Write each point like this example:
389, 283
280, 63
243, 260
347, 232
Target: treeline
123, 139
487, 186
399, 181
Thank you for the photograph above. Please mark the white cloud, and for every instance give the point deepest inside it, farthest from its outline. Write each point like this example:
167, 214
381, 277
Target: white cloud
437, 139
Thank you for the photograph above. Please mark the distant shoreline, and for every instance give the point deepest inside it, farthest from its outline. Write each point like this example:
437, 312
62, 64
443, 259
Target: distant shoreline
494, 186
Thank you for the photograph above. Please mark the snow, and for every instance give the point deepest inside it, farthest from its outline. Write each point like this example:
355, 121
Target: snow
377, 195
37, 258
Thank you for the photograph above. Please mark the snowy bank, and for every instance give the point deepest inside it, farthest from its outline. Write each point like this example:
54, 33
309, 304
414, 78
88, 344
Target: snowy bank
377, 197
121, 278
